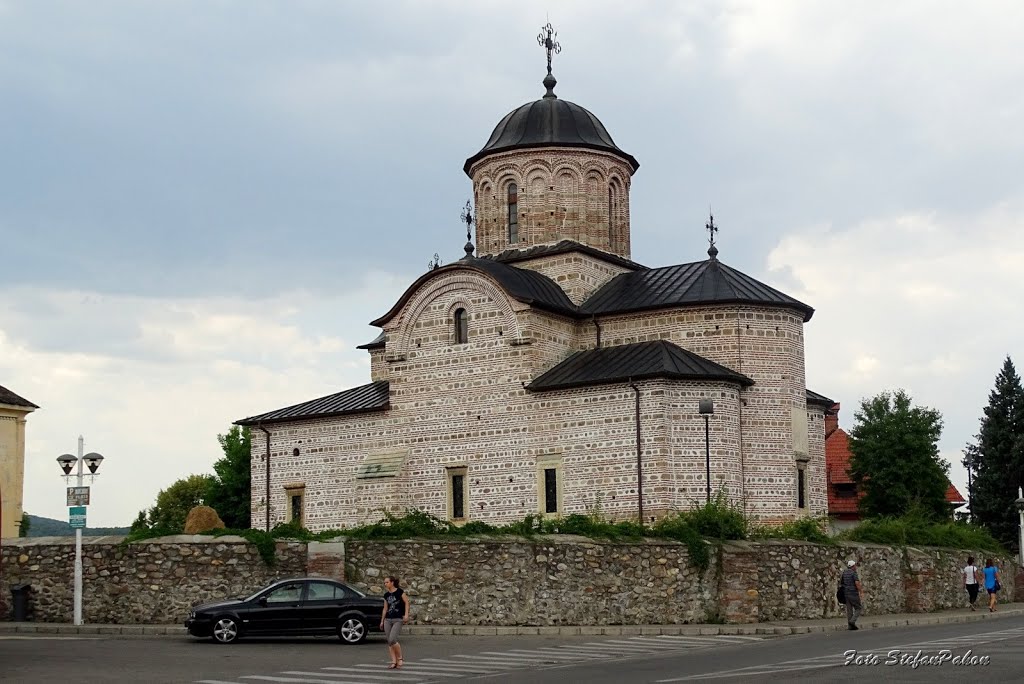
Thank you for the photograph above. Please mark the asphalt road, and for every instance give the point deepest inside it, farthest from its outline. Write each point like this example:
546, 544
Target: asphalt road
561, 660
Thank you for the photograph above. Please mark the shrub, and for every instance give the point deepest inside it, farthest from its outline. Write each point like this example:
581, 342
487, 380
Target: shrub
718, 519
805, 529
677, 527
916, 531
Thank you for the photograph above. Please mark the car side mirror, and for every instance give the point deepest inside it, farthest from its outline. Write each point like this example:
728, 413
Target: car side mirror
263, 601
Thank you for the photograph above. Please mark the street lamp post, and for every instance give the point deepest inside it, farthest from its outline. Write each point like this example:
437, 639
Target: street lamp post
969, 462
1020, 527
67, 462
707, 407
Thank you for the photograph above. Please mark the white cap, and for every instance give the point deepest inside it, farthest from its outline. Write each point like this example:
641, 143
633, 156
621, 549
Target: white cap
850, 563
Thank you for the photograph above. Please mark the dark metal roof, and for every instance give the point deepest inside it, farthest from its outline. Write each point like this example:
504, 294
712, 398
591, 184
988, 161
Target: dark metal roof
11, 399
815, 399
378, 342
550, 122
362, 399
639, 361
510, 256
702, 282
521, 284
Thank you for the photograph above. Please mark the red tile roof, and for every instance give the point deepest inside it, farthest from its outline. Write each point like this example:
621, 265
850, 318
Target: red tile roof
837, 466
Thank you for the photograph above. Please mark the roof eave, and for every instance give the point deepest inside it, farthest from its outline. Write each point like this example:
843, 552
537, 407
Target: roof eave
741, 380
257, 420
806, 311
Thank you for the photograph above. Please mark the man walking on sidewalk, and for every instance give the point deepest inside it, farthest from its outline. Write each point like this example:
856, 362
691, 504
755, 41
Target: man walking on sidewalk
851, 585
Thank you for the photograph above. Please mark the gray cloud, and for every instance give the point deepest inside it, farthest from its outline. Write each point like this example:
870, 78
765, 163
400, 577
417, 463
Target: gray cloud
176, 171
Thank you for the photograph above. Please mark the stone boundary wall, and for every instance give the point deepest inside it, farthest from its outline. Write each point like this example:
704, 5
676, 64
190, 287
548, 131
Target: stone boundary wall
155, 581
556, 580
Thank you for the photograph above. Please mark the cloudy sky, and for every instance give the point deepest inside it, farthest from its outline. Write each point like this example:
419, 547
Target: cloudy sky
204, 203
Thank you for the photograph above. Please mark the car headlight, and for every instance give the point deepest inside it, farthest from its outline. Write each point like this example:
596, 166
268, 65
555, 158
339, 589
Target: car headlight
192, 615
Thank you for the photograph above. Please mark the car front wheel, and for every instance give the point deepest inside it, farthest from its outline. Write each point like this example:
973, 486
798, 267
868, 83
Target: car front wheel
225, 630
352, 630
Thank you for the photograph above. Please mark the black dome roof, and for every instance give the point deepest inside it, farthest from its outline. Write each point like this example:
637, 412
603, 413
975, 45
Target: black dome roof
549, 122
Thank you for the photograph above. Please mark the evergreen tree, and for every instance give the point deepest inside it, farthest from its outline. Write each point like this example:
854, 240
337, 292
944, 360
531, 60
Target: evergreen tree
230, 492
998, 455
895, 458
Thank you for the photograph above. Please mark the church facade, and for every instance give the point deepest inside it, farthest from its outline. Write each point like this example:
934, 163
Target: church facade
546, 372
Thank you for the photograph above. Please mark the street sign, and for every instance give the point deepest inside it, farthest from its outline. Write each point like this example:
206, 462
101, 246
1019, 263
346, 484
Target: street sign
78, 496
76, 516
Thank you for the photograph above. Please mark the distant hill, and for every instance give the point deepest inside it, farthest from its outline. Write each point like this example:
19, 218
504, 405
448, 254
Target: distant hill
39, 526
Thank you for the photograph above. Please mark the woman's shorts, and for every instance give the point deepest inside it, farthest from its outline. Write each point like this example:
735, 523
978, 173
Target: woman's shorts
391, 628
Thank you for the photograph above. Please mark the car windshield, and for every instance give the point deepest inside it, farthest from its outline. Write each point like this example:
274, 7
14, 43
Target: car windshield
252, 597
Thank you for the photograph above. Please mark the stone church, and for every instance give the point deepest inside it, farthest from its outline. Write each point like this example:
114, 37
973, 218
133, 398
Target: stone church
547, 372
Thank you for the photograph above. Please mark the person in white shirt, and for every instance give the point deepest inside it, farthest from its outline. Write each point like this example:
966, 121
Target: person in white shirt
970, 573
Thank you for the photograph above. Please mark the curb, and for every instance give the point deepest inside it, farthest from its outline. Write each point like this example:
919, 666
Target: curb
758, 629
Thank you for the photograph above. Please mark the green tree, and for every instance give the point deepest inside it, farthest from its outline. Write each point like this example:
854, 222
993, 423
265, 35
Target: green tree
895, 458
230, 492
998, 457
174, 503
24, 525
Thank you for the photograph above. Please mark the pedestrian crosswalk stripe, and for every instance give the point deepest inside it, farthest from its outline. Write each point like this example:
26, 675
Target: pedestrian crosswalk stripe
362, 677
540, 653
582, 649
534, 656
406, 668
458, 668
493, 662
509, 658
390, 676
266, 678
643, 645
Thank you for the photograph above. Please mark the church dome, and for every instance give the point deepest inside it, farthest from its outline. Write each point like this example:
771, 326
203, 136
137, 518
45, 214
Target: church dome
550, 122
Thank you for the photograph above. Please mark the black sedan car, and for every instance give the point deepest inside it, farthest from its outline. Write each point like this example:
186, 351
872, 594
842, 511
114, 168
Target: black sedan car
305, 606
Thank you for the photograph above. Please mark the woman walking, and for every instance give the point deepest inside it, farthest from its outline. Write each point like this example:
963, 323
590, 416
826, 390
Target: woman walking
392, 617
970, 573
991, 584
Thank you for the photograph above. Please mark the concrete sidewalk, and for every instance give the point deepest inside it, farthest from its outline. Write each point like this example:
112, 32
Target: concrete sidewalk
779, 628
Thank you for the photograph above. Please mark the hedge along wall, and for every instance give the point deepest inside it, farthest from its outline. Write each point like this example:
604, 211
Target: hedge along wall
556, 580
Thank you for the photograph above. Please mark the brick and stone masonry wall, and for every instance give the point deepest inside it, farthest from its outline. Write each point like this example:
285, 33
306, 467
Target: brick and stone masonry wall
556, 580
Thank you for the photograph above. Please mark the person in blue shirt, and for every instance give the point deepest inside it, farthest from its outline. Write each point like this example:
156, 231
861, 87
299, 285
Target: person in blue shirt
991, 584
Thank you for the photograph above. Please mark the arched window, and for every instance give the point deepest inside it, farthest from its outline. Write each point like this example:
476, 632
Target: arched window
611, 216
461, 327
513, 213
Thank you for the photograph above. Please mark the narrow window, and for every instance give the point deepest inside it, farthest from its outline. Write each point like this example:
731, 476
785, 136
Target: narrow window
611, 217
461, 327
550, 490
549, 484
801, 487
297, 508
296, 495
513, 213
457, 493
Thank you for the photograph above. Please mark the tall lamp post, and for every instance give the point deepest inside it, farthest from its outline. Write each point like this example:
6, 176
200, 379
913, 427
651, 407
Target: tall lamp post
969, 462
707, 407
79, 497
1020, 528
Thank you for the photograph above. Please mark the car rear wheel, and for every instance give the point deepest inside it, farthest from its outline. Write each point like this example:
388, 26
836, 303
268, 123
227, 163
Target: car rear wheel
352, 630
225, 630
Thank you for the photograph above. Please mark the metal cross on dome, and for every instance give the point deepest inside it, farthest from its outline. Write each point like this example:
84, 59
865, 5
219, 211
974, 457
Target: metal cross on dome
711, 228
467, 218
546, 39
